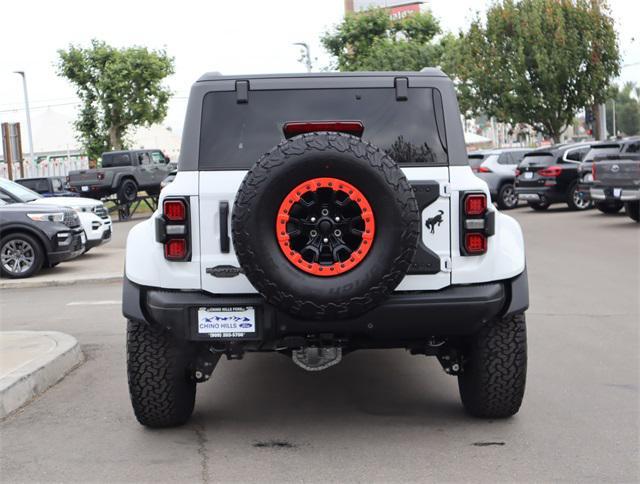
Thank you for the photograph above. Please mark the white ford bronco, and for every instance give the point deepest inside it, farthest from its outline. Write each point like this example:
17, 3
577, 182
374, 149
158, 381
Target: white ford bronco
313, 215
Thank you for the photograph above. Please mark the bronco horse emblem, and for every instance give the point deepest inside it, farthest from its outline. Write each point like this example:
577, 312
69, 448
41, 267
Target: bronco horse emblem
434, 221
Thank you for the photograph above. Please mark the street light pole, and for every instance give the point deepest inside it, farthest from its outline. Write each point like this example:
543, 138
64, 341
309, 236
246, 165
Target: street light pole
307, 54
26, 106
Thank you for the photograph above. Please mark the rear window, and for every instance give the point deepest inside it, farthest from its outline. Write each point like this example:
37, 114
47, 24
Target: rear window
234, 136
475, 160
601, 151
538, 159
39, 185
110, 160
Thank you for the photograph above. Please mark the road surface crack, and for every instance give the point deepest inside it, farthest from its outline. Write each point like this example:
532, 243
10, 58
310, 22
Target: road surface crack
202, 452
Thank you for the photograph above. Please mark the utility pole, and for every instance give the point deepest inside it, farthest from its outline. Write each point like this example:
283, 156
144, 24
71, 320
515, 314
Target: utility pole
306, 54
615, 133
26, 107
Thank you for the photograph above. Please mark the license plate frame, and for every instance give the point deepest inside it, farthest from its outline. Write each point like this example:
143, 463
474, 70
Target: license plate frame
226, 323
84, 188
617, 192
528, 175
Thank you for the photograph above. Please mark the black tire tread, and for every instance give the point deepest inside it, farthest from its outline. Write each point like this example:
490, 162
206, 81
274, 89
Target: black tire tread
162, 394
259, 175
493, 381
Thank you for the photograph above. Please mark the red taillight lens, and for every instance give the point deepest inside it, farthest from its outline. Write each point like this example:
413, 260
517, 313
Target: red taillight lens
295, 128
175, 249
174, 210
475, 204
484, 169
551, 171
475, 243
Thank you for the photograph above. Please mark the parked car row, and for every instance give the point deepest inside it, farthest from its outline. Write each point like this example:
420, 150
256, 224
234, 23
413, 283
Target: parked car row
564, 173
38, 231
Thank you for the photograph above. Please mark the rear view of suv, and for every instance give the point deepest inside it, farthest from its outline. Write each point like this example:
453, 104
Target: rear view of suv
313, 215
498, 169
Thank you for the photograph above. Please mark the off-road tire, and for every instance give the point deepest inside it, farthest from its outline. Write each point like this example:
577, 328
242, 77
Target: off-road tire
495, 368
539, 206
161, 389
354, 161
633, 210
38, 250
504, 201
127, 191
609, 207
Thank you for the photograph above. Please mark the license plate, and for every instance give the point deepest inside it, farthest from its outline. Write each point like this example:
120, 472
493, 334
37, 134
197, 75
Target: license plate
84, 188
617, 192
228, 322
528, 175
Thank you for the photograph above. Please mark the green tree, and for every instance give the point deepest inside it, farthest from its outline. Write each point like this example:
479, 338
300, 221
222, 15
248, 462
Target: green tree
118, 89
538, 61
373, 41
627, 109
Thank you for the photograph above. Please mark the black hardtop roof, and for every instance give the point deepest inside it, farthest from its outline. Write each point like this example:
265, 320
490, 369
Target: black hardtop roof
426, 72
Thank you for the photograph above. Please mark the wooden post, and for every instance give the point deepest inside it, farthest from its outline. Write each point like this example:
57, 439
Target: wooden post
6, 149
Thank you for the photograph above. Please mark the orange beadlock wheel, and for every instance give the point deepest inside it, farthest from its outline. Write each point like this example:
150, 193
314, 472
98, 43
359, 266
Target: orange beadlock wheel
325, 227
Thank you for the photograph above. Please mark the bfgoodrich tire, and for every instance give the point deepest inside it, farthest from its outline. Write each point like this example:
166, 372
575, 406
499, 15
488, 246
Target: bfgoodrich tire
494, 373
161, 389
343, 178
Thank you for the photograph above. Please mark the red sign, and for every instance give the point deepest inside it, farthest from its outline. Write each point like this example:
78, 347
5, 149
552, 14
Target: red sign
404, 10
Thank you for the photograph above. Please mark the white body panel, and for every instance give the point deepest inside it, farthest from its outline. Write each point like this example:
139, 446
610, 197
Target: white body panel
145, 263
492, 164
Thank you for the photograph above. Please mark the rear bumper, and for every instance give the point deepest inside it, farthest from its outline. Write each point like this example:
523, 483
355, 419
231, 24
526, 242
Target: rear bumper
537, 194
404, 318
626, 194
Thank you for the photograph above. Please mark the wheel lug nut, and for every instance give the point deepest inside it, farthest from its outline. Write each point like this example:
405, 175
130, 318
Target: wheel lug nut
325, 240
313, 233
337, 219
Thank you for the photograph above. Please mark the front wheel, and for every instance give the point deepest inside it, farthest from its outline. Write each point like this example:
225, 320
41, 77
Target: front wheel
609, 207
633, 210
21, 256
495, 368
161, 388
507, 197
578, 200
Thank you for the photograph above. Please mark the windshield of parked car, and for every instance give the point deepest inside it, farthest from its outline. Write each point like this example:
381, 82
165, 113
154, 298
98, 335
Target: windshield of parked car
235, 135
38, 185
602, 151
18, 191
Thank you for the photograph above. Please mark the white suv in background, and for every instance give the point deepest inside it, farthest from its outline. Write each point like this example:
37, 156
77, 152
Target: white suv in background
94, 216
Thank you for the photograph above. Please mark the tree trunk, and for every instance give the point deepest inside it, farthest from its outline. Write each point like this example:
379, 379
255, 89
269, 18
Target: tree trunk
114, 139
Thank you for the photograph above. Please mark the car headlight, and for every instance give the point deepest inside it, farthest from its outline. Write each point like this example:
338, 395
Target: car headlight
47, 217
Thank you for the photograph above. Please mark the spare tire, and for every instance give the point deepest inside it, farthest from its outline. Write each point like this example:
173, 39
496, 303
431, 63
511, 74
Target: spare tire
325, 226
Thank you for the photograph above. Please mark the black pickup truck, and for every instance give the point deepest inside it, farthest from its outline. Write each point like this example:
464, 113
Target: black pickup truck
123, 173
616, 178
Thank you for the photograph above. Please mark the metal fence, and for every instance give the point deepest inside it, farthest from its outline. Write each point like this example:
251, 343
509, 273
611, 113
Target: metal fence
46, 167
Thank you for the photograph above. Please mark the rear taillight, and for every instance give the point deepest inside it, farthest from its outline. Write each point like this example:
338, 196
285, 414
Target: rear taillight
478, 223
551, 171
172, 229
484, 169
295, 128
174, 210
475, 204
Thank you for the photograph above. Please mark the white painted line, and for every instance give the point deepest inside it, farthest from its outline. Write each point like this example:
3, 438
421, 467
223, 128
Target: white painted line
93, 303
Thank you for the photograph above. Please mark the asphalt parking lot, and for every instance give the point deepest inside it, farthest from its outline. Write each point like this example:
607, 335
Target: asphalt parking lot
378, 416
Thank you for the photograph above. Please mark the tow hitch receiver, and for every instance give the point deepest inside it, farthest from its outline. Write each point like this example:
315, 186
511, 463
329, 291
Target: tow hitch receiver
314, 358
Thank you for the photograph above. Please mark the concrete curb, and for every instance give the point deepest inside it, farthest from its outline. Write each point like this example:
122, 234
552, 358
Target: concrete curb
31, 283
41, 372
